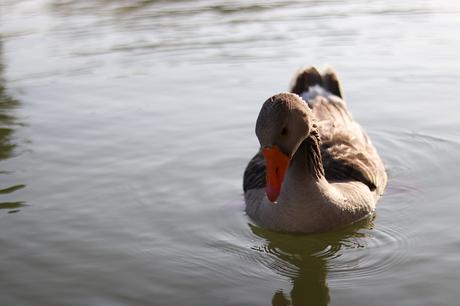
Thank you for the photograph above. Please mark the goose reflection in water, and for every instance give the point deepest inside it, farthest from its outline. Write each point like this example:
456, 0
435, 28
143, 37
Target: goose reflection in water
305, 259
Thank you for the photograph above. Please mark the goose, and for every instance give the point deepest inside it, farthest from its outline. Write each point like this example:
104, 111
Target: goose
316, 169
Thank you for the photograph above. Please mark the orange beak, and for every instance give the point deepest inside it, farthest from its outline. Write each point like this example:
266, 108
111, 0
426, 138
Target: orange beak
276, 164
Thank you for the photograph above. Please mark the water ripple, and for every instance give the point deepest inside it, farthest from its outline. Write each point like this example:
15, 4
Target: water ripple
363, 250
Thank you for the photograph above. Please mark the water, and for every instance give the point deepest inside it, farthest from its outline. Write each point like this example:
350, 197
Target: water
125, 127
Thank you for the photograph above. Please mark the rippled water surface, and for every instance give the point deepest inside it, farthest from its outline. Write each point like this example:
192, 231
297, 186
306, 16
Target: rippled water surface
125, 127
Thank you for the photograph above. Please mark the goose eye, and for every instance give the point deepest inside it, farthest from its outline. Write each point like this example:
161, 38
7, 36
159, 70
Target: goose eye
284, 131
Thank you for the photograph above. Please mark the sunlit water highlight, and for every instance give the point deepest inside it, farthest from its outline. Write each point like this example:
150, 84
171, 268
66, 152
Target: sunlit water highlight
125, 127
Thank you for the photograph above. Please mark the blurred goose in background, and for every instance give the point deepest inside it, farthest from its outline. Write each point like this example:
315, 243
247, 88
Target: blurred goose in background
316, 169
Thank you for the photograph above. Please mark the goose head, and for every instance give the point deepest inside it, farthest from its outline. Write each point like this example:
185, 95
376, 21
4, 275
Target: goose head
284, 122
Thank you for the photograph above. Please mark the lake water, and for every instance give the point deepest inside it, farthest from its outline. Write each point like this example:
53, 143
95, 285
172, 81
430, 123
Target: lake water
125, 128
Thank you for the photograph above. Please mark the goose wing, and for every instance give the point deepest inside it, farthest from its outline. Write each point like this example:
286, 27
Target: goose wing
347, 151
254, 175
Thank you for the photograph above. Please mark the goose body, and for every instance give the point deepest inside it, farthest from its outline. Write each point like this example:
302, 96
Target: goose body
316, 169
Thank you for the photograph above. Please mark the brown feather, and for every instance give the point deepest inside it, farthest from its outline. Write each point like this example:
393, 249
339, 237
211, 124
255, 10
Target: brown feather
340, 149
254, 175
347, 152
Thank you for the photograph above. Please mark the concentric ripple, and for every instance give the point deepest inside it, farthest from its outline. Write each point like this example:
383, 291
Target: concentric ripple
369, 247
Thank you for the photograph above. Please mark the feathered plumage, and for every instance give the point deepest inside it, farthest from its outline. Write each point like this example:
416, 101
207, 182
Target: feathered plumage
335, 175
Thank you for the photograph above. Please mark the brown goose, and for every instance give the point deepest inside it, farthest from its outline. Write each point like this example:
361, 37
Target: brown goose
316, 168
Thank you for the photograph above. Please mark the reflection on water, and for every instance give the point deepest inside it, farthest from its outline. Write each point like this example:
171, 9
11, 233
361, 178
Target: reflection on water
305, 259
140, 121
8, 123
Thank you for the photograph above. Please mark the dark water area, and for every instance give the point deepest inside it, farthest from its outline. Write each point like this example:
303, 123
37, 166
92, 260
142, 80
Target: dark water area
125, 128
